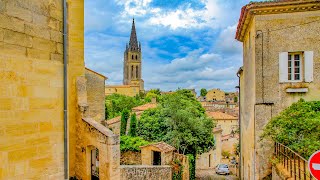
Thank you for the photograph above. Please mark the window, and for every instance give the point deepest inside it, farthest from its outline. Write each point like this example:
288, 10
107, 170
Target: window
132, 57
136, 56
137, 72
131, 72
296, 66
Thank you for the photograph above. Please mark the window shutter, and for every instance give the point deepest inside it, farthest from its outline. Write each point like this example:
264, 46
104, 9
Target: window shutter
308, 66
283, 67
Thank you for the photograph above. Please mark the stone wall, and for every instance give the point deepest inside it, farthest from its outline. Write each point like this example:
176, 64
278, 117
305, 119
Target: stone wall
92, 135
130, 158
31, 89
96, 95
144, 172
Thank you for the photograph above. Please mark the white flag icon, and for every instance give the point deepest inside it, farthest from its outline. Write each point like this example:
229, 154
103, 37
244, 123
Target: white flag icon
316, 166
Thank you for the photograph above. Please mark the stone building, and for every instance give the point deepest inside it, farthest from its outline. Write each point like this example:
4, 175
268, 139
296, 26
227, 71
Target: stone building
228, 123
46, 129
215, 95
96, 87
281, 64
211, 159
132, 69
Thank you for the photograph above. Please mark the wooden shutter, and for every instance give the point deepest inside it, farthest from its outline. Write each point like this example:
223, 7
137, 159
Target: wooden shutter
283, 66
308, 66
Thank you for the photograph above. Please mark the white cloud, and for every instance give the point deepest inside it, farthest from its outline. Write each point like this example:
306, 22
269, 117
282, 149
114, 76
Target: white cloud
227, 43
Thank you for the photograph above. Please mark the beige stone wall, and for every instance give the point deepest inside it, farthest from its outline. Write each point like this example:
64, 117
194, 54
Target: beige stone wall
147, 158
202, 161
143, 172
229, 145
227, 125
130, 158
261, 83
126, 90
215, 95
31, 90
96, 95
92, 135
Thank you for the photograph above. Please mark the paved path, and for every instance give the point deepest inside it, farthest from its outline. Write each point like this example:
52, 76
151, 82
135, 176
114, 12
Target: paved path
211, 175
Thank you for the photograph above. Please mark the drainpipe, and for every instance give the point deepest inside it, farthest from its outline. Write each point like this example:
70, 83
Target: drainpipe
240, 151
65, 91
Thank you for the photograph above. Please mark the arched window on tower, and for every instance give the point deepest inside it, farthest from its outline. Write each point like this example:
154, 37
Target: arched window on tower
136, 57
132, 72
132, 57
137, 72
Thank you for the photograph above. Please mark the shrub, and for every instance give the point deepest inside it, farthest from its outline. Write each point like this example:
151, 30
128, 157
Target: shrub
297, 127
128, 143
133, 125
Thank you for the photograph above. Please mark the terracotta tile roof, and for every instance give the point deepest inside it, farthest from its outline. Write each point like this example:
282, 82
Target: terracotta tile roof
271, 7
144, 107
118, 118
162, 146
220, 116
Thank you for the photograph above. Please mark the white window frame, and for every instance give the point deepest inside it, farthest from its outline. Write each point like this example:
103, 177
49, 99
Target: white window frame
301, 64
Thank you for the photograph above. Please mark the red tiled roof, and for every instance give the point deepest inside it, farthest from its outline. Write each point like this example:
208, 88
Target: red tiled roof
245, 10
145, 107
162, 146
220, 116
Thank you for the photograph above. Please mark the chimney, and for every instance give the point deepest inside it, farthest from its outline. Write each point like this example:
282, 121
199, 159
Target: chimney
154, 100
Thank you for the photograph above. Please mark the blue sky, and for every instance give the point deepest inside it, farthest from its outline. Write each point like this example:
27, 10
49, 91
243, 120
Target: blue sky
185, 43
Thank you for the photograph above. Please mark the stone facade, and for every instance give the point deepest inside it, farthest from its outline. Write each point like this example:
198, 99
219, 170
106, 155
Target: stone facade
127, 90
95, 94
268, 34
145, 172
130, 158
211, 159
31, 90
31, 94
215, 95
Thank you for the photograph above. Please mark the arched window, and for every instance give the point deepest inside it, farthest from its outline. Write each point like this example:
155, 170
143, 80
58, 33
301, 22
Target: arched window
132, 57
131, 72
136, 56
137, 72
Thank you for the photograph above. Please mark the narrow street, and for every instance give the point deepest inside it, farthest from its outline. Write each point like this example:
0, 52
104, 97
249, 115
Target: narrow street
210, 175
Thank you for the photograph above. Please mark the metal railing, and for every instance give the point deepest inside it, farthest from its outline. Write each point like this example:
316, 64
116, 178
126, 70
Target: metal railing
296, 165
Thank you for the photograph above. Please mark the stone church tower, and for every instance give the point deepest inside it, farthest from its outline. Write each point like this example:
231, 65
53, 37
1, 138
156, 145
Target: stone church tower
132, 62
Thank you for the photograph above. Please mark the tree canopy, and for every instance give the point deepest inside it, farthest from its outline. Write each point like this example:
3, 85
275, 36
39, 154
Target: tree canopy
179, 120
116, 103
203, 92
297, 127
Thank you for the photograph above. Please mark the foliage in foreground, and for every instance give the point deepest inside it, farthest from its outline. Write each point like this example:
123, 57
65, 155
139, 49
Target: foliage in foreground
116, 103
128, 143
297, 127
124, 119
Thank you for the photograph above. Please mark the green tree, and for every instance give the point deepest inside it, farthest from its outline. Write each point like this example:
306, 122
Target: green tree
155, 91
235, 99
297, 127
133, 125
124, 119
179, 120
128, 143
203, 92
116, 103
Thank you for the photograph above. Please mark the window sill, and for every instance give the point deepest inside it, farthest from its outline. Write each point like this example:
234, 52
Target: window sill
297, 90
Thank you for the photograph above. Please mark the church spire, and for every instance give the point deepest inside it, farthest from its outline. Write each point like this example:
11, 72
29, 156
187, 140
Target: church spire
133, 44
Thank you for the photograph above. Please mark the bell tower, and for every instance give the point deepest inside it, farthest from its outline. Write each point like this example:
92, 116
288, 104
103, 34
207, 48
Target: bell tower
132, 61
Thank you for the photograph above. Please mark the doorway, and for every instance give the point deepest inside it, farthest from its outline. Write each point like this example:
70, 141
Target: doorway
95, 164
156, 158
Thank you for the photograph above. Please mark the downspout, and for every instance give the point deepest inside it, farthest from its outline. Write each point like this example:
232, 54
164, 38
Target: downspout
65, 91
240, 151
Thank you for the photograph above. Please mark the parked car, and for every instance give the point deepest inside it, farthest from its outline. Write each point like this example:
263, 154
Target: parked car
222, 169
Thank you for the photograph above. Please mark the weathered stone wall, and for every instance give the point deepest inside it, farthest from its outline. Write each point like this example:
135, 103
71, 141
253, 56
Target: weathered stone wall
146, 156
91, 135
261, 79
31, 90
184, 160
144, 172
130, 158
215, 94
96, 95
279, 173
127, 90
